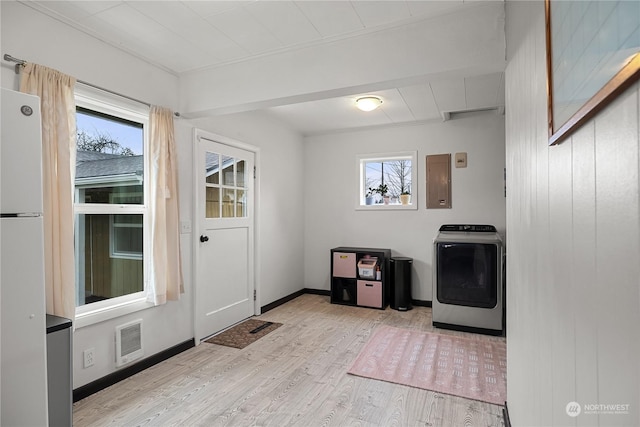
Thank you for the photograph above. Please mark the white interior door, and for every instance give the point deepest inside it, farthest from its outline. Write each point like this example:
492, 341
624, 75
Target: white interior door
225, 284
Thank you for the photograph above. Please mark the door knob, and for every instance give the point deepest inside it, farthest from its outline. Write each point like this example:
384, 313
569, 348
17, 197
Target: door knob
204, 238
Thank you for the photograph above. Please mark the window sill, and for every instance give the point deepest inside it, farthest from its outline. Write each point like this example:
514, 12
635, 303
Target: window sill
110, 312
381, 207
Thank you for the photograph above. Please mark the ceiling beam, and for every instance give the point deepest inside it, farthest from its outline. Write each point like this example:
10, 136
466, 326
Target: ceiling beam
468, 42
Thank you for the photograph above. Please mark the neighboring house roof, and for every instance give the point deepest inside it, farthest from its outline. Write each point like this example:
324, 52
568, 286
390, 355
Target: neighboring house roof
212, 163
91, 164
85, 156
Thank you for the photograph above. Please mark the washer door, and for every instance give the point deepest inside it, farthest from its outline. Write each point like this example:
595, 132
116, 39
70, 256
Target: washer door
467, 274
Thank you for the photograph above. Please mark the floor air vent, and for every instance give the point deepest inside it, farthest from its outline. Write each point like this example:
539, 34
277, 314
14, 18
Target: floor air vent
128, 342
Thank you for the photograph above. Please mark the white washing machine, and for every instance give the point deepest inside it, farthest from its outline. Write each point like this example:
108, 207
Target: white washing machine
468, 279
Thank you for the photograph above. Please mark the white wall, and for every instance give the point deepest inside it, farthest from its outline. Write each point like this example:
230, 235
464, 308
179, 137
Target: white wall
32, 36
573, 288
29, 35
163, 326
331, 182
26, 34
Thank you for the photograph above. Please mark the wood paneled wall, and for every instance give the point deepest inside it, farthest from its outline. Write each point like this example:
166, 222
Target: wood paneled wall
573, 241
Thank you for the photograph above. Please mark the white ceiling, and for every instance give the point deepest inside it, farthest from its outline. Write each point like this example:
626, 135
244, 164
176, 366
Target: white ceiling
185, 37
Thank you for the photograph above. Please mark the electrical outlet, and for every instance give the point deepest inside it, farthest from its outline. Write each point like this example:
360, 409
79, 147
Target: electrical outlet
89, 359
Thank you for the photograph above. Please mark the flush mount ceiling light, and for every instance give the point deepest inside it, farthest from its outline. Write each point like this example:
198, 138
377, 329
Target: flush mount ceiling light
368, 103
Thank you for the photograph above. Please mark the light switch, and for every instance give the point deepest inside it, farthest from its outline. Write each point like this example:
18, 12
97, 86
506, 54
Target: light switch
185, 227
461, 160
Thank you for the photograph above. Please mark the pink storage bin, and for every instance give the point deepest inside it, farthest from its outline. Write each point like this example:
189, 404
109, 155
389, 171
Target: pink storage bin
344, 265
369, 293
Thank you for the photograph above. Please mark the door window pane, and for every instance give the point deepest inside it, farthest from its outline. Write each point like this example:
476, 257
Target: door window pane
212, 205
227, 171
228, 203
212, 163
241, 203
240, 173
226, 186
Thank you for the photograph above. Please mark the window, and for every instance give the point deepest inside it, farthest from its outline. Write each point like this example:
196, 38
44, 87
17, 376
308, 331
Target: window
387, 181
226, 192
110, 202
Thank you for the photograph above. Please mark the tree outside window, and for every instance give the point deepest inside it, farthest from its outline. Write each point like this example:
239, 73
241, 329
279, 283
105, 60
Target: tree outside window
394, 174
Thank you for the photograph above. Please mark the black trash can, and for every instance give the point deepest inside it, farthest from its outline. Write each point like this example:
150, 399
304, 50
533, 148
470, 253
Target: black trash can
401, 283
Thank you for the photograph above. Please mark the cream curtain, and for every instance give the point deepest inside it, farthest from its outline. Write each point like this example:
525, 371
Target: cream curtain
58, 173
166, 266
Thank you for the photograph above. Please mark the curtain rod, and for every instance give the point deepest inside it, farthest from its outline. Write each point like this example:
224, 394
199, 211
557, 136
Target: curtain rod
22, 62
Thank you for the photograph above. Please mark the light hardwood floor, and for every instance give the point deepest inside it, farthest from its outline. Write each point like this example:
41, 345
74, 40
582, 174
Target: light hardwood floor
293, 376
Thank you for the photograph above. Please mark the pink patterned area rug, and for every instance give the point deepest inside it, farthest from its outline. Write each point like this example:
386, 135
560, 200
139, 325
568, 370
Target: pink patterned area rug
464, 367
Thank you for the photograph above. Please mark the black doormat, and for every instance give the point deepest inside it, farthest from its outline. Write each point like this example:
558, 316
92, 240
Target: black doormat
243, 334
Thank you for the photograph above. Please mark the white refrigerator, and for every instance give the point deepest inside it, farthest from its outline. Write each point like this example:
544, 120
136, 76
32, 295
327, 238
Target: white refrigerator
23, 357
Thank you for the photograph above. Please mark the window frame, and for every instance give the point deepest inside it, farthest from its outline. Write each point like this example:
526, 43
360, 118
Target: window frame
362, 159
119, 107
113, 225
114, 252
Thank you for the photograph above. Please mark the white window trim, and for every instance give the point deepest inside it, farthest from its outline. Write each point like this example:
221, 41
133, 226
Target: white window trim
94, 99
360, 180
111, 309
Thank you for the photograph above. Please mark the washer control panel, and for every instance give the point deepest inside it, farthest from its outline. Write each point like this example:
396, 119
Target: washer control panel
470, 228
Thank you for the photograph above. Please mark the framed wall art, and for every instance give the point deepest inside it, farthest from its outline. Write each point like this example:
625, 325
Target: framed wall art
592, 56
